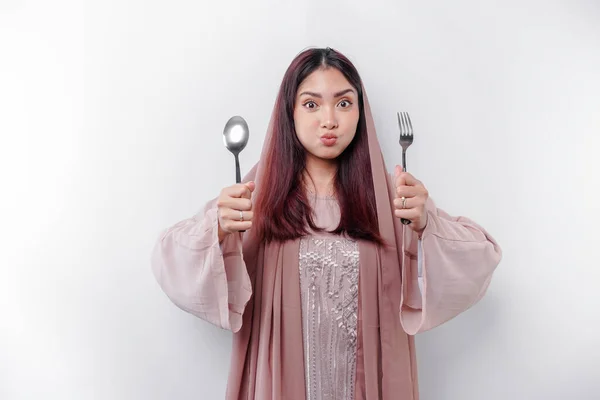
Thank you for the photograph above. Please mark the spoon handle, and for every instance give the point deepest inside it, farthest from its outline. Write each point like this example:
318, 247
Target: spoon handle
238, 175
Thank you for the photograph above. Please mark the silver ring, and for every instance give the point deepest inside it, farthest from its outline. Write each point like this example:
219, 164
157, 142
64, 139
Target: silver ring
242, 216
403, 202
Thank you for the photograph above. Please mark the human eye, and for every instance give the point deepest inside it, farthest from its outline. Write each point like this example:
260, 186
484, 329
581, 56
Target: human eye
311, 105
345, 103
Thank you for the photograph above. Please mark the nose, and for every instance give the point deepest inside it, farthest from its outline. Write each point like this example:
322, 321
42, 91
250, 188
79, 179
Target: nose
329, 120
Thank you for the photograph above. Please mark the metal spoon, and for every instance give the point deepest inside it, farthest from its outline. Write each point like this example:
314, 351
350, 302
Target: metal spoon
235, 137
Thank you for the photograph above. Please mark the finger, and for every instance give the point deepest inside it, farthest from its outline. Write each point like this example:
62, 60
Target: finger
406, 179
410, 180
250, 186
407, 191
239, 190
235, 203
237, 226
234, 215
407, 213
410, 202
397, 172
401, 178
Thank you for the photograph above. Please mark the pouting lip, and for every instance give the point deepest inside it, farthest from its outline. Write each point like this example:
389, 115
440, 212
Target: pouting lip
329, 136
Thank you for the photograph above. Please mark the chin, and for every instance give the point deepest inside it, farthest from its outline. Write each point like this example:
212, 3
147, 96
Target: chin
329, 154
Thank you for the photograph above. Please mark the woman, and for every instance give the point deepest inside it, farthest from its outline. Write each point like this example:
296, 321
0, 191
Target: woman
322, 290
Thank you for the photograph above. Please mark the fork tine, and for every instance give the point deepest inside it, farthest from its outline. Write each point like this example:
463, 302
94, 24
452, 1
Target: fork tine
410, 128
404, 129
403, 123
399, 123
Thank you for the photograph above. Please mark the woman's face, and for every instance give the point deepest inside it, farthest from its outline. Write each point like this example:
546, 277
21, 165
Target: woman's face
326, 113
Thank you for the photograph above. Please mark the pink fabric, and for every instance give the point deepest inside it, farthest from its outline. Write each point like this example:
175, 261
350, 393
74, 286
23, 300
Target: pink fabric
201, 277
253, 290
329, 272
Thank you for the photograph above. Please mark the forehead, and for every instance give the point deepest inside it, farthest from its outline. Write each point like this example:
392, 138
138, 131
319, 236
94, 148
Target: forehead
325, 81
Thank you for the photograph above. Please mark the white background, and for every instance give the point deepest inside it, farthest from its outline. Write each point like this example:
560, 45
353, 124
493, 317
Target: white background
111, 115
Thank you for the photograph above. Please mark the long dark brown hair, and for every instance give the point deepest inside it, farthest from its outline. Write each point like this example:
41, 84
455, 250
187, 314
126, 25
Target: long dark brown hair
282, 210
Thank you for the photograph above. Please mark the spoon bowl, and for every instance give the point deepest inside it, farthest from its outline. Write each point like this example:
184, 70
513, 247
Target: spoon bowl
235, 138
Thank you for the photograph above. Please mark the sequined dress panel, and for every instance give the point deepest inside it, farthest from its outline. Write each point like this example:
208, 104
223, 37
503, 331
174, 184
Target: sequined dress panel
329, 293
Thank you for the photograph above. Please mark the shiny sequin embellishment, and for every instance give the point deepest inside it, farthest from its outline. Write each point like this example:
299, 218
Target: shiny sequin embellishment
329, 292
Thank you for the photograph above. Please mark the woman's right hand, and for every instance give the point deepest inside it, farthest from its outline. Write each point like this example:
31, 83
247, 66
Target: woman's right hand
234, 207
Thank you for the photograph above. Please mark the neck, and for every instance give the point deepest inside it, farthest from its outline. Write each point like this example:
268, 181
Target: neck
321, 175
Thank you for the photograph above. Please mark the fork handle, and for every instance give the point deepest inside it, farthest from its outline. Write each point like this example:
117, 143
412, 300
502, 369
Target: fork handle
404, 220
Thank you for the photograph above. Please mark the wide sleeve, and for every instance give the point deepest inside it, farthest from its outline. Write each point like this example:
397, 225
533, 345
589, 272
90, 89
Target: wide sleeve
201, 276
455, 258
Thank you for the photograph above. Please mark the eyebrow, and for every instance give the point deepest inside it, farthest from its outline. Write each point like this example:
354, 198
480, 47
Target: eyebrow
338, 94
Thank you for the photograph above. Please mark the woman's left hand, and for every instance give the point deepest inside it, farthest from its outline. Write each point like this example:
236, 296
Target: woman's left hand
415, 195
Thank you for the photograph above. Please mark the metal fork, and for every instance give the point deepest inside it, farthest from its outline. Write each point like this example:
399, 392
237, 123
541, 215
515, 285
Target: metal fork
406, 139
